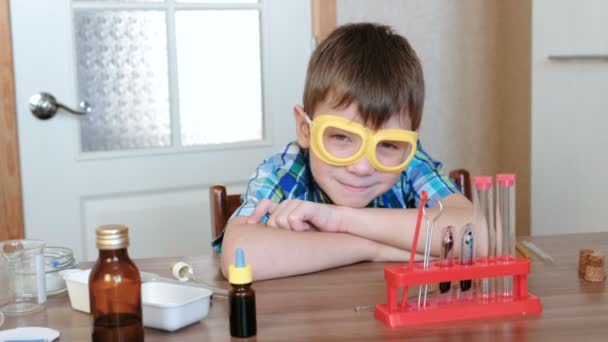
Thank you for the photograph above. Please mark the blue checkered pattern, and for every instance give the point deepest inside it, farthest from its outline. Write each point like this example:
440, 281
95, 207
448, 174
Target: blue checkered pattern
286, 175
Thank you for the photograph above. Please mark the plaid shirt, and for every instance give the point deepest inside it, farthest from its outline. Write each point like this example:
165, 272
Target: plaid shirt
286, 175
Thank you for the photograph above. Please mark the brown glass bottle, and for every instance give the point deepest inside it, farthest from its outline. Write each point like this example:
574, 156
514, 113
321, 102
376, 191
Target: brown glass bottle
241, 298
242, 311
115, 289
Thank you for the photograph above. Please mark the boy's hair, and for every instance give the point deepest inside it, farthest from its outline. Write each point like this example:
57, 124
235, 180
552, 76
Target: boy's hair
372, 65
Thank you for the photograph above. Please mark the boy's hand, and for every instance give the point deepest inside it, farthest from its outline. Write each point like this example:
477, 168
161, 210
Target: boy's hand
297, 215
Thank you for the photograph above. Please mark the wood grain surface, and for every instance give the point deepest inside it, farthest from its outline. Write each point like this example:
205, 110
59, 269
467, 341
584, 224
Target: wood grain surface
319, 306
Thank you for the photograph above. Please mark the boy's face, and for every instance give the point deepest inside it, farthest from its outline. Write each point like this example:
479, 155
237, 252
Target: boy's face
354, 185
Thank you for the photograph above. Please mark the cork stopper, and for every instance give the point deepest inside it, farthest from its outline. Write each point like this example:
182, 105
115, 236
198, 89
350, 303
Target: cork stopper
591, 264
595, 274
583, 260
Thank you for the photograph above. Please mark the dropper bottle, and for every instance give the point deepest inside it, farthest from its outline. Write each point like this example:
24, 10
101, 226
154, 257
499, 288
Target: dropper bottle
241, 298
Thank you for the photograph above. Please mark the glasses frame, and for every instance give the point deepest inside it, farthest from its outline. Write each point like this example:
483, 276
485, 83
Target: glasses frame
370, 140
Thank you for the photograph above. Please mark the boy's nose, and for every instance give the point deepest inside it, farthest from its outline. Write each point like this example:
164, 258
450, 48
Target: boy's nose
361, 167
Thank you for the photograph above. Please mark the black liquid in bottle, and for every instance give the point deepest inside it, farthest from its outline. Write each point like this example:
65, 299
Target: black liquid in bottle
241, 298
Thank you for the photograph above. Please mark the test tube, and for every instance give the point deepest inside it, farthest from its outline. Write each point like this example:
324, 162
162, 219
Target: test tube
446, 256
505, 226
484, 229
466, 254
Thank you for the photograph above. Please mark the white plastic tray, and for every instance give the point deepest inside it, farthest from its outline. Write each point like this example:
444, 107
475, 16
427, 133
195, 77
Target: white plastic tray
166, 306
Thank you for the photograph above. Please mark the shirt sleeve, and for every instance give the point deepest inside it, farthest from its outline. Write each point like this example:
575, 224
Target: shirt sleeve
426, 174
264, 183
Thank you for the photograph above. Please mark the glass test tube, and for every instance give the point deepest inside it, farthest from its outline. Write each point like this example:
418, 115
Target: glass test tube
505, 226
467, 253
484, 229
446, 256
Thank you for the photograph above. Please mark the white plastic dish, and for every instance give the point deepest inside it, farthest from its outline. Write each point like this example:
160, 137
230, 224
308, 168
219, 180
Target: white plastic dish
166, 306
77, 282
170, 307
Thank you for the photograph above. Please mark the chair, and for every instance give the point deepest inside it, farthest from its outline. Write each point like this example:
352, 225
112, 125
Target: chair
223, 205
462, 178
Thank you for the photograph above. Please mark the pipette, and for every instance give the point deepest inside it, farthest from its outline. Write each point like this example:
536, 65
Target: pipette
521, 249
184, 272
539, 252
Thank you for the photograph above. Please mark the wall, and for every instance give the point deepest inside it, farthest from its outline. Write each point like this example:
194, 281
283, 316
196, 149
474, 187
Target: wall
475, 56
569, 120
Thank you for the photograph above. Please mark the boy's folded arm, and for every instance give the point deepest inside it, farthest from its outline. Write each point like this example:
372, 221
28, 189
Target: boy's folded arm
386, 253
395, 227
275, 253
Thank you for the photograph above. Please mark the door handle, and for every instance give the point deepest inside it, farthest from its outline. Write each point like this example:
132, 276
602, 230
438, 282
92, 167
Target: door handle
44, 106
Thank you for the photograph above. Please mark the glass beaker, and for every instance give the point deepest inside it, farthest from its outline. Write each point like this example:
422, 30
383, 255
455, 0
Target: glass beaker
24, 286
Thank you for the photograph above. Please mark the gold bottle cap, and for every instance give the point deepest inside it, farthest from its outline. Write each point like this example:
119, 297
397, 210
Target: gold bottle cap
112, 236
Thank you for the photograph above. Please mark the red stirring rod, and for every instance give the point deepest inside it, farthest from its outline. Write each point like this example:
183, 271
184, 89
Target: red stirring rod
423, 198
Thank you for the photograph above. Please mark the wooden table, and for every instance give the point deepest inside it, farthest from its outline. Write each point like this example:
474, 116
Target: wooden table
320, 306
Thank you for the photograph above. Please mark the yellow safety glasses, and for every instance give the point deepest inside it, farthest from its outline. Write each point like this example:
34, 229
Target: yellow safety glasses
339, 141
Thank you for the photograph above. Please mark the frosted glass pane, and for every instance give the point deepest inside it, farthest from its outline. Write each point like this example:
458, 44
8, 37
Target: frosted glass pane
219, 73
122, 72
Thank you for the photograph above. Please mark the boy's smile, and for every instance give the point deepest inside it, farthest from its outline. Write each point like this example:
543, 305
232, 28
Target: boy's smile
359, 183
355, 187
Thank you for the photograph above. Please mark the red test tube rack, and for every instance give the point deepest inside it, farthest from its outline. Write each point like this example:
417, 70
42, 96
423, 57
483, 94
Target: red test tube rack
397, 313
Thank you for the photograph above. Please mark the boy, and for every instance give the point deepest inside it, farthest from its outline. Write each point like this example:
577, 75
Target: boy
327, 200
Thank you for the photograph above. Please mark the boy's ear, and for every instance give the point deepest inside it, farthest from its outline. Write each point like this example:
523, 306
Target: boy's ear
302, 128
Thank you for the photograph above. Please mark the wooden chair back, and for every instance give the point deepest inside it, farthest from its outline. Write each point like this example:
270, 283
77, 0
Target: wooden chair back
462, 178
222, 206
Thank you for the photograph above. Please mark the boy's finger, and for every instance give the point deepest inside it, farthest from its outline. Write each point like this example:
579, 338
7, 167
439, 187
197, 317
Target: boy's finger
256, 215
279, 217
264, 207
299, 225
274, 214
295, 222
299, 217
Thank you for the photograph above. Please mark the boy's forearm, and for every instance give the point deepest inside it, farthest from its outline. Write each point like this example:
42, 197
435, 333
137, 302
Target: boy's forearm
277, 253
386, 253
395, 227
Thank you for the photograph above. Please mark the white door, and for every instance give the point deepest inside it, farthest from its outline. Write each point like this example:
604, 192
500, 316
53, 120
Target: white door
569, 107
185, 94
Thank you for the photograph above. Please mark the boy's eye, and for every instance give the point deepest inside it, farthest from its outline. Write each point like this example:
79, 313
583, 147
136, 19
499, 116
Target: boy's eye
388, 146
340, 137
